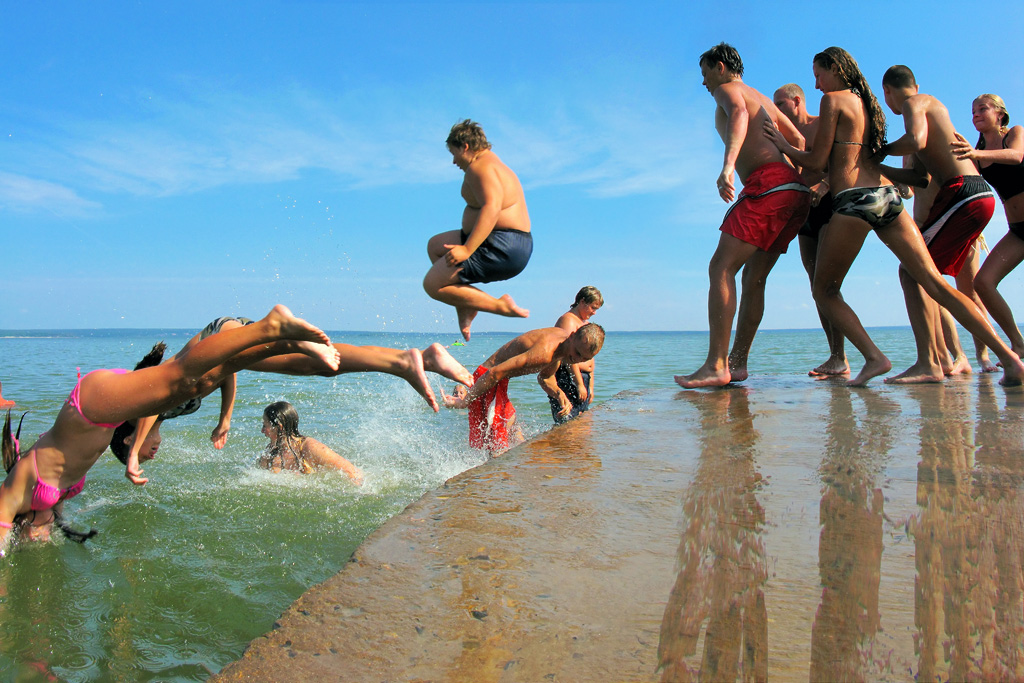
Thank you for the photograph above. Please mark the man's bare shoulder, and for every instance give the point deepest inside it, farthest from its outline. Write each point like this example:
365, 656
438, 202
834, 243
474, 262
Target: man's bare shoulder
544, 334
568, 321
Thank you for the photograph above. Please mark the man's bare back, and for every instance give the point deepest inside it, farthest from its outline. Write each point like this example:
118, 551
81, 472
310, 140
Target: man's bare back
936, 155
929, 134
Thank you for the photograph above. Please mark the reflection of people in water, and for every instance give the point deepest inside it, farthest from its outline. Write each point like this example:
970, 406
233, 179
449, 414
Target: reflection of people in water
998, 478
290, 450
721, 558
850, 545
945, 531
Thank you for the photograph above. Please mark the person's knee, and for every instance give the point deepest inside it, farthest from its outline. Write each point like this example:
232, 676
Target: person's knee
825, 291
984, 285
723, 266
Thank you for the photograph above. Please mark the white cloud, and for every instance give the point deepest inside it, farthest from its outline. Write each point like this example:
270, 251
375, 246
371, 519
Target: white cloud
21, 193
205, 137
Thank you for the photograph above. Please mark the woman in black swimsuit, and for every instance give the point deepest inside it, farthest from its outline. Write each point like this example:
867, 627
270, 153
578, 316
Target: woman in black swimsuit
998, 156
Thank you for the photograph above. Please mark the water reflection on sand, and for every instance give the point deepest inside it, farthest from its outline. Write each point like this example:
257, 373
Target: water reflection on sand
792, 529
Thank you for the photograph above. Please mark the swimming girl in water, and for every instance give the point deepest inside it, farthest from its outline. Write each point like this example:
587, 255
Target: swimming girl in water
290, 450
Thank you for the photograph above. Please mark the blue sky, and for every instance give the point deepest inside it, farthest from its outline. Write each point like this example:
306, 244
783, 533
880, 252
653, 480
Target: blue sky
161, 165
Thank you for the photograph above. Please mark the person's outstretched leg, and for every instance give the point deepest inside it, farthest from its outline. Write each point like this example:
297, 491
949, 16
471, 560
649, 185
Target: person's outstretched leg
112, 397
905, 241
409, 364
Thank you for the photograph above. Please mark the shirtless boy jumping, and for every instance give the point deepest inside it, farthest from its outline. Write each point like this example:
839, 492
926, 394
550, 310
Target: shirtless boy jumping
758, 227
495, 242
960, 211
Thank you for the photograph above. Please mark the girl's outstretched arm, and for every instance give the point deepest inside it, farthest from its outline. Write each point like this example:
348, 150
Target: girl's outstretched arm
132, 470
228, 389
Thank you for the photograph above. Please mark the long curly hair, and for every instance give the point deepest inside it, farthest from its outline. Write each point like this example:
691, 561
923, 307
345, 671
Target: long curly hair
847, 69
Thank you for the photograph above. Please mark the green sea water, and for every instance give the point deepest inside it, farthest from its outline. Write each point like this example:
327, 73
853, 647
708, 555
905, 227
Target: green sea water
188, 569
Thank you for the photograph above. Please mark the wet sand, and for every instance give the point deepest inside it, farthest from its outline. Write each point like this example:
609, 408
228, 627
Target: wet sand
793, 529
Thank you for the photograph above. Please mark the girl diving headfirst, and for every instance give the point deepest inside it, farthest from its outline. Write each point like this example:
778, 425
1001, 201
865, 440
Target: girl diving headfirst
54, 468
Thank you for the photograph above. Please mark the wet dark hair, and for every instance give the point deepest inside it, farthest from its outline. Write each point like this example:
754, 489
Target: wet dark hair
283, 416
117, 442
588, 295
847, 69
10, 447
899, 76
467, 132
726, 54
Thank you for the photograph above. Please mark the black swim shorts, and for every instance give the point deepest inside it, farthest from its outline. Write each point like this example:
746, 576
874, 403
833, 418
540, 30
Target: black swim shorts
503, 255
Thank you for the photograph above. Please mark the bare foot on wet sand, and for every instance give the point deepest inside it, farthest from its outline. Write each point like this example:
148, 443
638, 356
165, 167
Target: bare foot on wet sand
918, 374
833, 367
705, 377
961, 366
871, 369
413, 374
1013, 374
323, 352
287, 326
737, 369
437, 359
987, 365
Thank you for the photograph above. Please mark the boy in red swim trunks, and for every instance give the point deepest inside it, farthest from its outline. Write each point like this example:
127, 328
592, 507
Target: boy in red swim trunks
961, 209
540, 351
758, 227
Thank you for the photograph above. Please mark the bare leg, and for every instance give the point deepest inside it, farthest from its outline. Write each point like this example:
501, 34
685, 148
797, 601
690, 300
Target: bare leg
923, 314
437, 359
837, 248
755, 275
442, 284
408, 364
836, 363
1004, 257
956, 357
905, 241
115, 397
965, 283
730, 256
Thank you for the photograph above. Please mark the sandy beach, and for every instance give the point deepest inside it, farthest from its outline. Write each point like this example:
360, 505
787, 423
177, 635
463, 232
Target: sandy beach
794, 530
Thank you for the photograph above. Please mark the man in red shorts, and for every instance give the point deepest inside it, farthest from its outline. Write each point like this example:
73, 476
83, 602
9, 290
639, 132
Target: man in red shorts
960, 211
765, 218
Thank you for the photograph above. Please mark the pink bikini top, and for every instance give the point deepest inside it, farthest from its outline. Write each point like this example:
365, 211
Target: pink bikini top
45, 496
75, 401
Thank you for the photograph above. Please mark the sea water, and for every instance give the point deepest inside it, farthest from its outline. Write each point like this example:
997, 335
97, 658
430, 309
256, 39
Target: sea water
187, 569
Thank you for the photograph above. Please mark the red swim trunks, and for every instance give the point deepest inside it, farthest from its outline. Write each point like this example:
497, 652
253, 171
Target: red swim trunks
961, 210
490, 434
771, 209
